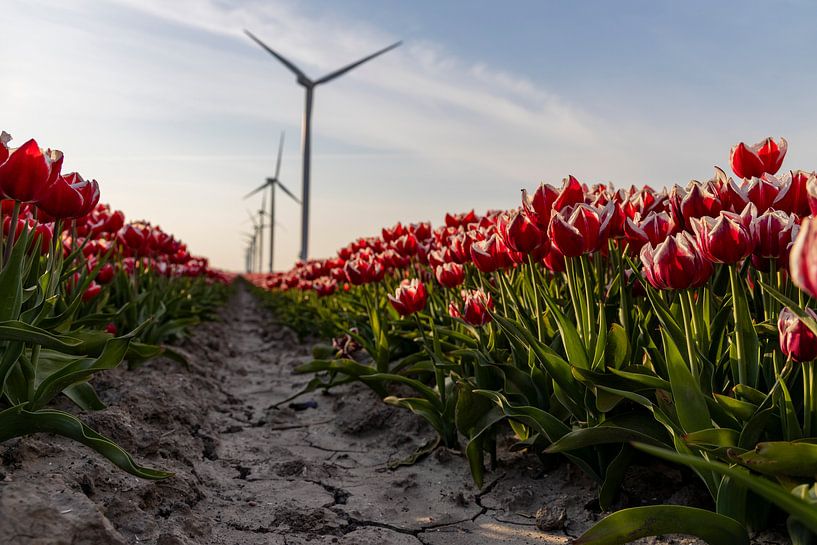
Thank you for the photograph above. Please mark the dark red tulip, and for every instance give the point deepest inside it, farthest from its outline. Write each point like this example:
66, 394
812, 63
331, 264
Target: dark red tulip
405, 245
521, 234
772, 232
725, 239
653, 229
490, 255
797, 341
696, 201
363, 270
394, 233
105, 274
765, 157
793, 197
554, 261
540, 206
92, 291
576, 230
111, 328
450, 275
409, 297
572, 193
70, 196
475, 308
676, 263
26, 175
325, 287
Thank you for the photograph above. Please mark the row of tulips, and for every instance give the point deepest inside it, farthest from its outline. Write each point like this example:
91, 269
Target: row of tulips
597, 323
81, 291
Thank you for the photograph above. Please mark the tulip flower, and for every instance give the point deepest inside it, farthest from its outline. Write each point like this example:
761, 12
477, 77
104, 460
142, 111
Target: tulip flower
654, 228
803, 257
490, 255
475, 308
405, 245
325, 287
540, 206
572, 193
676, 263
409, 297
70, 196
93, 290
393, 233
362, 270
772, 232
793, 197
797, 341
696, 201
725, 239
521, 234
576, 230
765, 157
5, 138
111, 328
811, 193
450, 275
25, 176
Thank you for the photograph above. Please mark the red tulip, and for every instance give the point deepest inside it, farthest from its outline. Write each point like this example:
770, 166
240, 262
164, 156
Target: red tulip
490, 255
654, 228
26, 174
762, 158
111, 328
696, 201
575, 230
725, 239
772, 232
450, 275
405, 245
540, 206
811, 192
105, 274
475, 308
803, 257
363, 270
93, 290
70, 197
797, 341
675, 264
572, 193
394, 233
325, 287
793, 197
5, 138
521, 234
409, 297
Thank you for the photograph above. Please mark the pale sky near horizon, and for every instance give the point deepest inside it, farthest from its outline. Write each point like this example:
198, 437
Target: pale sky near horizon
177, 113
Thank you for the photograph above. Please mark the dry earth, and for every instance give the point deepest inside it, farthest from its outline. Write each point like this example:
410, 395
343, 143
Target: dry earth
247, 473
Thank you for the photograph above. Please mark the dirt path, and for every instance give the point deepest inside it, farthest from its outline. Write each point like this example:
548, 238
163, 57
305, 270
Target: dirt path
247, 473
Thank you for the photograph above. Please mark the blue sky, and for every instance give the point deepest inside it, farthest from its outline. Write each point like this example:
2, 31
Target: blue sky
177, 114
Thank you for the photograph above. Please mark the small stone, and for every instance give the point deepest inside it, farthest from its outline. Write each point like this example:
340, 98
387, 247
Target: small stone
551, 518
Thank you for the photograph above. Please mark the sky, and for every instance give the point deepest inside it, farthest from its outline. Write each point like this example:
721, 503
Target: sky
177, 113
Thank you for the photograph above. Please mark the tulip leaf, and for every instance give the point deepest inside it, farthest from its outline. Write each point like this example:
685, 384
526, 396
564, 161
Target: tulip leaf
630, 524
84, 396
618, 346
17, 422
690, 403
716, 437
618, 429
795, 459
800, 509
574, 347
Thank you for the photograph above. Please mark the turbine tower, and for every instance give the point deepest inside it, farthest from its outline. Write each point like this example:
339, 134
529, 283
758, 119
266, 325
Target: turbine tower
306, 128
272, 182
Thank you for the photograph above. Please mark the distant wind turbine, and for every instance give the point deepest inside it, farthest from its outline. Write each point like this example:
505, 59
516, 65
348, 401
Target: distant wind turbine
306, 128
272, 182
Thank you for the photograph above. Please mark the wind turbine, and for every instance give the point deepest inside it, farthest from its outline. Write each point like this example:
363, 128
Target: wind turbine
306, 128
272, 182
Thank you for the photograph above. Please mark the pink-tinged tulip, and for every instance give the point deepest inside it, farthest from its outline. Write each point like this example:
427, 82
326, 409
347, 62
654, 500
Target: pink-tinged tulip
576, 230
540, 206
475, 308
409, 297
725, 239
765, 157
653, 229
772, 232
676, 263
803, 257
797, 341
762, 192
26, 174
572, 193
450, 275
521, 234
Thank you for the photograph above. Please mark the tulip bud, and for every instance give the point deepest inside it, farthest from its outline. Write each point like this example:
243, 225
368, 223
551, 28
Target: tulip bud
521, 234
475, 308
26, 174
576, 230
675, 264
803, 257
572, 193
797, 341
409, 297
758, 159
450, 275
725, 239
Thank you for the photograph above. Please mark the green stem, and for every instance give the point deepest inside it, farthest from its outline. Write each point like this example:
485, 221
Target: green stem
740, 349
686, 311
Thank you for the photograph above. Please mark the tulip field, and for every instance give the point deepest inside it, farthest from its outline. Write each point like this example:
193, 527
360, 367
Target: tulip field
81, 291
594, 325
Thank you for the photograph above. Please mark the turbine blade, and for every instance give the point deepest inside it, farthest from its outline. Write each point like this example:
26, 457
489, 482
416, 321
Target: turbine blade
294, 69
256, 190
288, 192
280, 151
338, 73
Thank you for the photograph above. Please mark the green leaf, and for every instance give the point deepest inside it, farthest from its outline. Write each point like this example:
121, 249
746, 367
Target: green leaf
690, 403
84, 396
716, 437
618, 346
618, 429
630, 524
17, 422
796, 459
574, 347
795, 506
